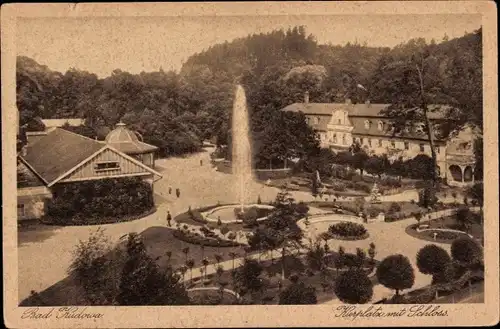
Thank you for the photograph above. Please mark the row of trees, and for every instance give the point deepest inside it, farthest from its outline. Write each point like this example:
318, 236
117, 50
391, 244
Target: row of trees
396, 272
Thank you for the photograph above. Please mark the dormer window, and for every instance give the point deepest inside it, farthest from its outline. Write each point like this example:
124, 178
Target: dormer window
367, 124
107, 166
380, 126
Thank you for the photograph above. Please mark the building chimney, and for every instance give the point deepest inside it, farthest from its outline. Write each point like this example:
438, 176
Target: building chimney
306, 97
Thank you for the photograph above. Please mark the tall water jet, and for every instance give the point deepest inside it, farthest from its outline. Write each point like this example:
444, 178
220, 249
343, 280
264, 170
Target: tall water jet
242, 149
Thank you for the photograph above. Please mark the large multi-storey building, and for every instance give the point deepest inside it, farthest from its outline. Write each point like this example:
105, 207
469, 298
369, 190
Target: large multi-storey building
339, 125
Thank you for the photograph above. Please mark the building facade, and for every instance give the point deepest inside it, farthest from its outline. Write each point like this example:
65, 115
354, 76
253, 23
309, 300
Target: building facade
60, 156
339, 125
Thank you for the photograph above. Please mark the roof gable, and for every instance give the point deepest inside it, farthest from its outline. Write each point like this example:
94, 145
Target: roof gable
85, 170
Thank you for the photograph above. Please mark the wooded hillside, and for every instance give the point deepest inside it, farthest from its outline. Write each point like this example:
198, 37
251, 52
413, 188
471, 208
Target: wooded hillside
176, 111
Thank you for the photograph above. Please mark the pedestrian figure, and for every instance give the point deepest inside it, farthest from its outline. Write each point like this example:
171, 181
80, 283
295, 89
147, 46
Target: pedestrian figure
169, 219
169, 190
178, 192
201, 162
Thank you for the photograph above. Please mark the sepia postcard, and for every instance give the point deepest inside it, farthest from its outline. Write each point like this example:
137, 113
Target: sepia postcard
250, 164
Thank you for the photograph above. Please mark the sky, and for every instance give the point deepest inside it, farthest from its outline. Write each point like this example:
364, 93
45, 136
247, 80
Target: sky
134, 44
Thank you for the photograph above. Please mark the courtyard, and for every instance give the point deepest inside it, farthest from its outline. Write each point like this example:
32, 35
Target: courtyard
42, 247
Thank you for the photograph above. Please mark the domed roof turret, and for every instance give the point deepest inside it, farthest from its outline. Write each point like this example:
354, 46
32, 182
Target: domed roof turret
126, 141
121, 134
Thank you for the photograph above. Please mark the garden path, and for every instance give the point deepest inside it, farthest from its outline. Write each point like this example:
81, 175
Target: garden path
45, 252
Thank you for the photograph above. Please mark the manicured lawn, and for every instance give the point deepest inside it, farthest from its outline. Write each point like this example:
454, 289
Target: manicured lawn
159, 240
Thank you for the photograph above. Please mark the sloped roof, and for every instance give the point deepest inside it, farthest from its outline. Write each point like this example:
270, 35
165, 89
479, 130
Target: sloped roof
53, 123
58, 152
357, 110
126, 141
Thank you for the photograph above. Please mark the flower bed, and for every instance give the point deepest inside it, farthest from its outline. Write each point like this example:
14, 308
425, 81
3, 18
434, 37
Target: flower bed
195, 238
442, 236
348, 231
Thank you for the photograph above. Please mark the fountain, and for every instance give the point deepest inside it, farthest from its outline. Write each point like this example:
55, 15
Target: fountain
241, 169
242, 150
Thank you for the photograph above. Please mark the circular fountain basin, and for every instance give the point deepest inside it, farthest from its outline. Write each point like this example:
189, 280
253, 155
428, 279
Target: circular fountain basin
227, 216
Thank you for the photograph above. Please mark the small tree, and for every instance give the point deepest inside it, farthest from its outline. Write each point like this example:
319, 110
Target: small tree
354, 287
433, 260
169, 255
466, 252
205, 264
418, 217
427, 197
339, 260
463, 217
361, 257
395, 272
298, 294
96, 269
218, 258
143, 283
183, 269
315, 257
247, 276
190, 265
372, 252
233, 255
186, 252
476, 192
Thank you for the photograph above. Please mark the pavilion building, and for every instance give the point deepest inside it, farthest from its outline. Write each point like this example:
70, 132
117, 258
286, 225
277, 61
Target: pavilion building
339, 125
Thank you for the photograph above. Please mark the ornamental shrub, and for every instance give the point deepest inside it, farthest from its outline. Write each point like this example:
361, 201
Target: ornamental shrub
347, 229
100, 201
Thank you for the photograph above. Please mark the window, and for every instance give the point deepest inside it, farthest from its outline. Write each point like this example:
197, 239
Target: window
316, 120
379, 143
104, 166
21, 211
362, 141
419, 128
340, 121
393, 144
367, 124
370, 142
380, 125
407, 146
344, 140
422, 148
335, 138
438, 149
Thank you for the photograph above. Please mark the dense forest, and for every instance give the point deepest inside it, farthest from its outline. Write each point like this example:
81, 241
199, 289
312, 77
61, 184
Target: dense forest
177, 111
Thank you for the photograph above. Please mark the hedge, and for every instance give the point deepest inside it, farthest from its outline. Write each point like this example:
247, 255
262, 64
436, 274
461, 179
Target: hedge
99, 201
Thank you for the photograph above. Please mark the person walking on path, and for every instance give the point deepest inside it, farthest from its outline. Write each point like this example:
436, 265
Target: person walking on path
178, 192
169, 218
170, 190
201, 162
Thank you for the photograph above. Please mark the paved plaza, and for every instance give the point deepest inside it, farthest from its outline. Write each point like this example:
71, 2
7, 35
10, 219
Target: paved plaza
45, 252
